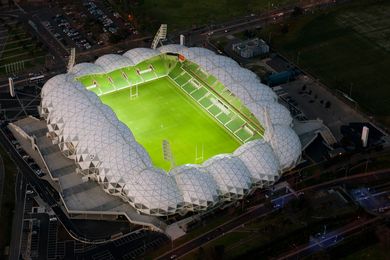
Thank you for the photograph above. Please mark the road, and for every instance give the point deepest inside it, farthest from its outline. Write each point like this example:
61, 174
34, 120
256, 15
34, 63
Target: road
196, 37
44, 190
329, 239
17, 223
200, 36
217, 232
259, 211
43, 233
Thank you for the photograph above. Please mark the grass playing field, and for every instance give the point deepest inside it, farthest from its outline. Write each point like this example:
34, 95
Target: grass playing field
163, 112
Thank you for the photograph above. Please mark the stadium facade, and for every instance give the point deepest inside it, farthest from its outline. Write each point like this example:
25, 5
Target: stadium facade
106, 151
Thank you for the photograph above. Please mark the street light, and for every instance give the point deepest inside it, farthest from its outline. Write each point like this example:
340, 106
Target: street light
269, 38
298, 56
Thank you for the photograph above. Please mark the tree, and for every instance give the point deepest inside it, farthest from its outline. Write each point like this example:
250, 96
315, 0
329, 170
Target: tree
284, 29
201, 253
297, 11
219, 251
115, 38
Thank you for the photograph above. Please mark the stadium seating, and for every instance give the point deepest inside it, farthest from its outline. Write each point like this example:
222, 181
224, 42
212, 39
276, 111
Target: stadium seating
199, 86
235, 124
243, 134
119, 81
199, 93
159, 66
132, 75
87, 80
204, 89
183, 79
217, 87
223, 118
205, 102
176, 71
189, 88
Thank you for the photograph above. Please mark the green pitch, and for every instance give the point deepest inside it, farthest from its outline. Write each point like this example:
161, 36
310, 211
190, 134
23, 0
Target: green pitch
162, 112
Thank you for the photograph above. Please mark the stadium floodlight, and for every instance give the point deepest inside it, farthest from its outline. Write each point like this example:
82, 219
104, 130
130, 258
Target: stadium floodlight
11, 87
72, 59
160, 35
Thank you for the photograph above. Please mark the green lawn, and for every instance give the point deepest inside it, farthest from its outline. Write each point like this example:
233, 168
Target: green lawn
347, 47
19, 46
163, 112
372, 252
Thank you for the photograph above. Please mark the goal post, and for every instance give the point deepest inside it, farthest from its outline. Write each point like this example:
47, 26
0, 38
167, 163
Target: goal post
199, 153
133, 91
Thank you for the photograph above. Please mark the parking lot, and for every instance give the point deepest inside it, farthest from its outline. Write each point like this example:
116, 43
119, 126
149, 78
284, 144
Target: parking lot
85, 25
313, 101
62, 29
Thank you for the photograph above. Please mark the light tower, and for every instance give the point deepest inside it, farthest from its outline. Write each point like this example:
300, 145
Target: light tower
72, 59
11, 87
160, 35
365, 132
182, 40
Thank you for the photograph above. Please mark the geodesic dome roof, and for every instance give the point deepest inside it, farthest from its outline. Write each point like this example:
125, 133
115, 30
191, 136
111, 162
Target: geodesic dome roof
85, 68
237, 89
199, 189
110, 62
242, 75
285, 144
260, 92
55, 81
201, 51
173, 48
138, 55
205, 63
149, 184
223, 61
231, 175
261, 161
277, 113
90, 133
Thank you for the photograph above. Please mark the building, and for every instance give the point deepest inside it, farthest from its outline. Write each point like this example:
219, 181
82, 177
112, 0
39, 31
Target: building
98, 157
251, 48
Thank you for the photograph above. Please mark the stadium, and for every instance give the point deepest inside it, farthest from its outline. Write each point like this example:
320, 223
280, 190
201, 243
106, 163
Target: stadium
170, 130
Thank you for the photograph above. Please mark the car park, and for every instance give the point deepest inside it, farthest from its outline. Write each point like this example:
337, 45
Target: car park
64, 26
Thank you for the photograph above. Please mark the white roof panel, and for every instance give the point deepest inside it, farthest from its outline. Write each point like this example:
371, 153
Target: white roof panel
89, 132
